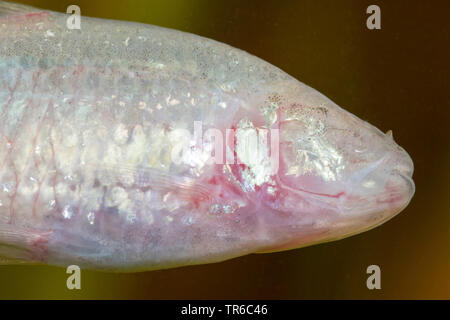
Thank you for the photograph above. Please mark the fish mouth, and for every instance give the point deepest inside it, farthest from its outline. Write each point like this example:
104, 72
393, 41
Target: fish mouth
398, 200
404, 170
409, 187
404, 165
395, 198
396, 193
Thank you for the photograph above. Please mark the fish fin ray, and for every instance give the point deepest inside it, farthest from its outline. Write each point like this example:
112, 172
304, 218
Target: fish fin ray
8, 261
9, 8
22, 244
186, 187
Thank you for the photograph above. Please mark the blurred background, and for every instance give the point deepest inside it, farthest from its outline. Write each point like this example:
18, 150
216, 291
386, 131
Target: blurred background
396, 78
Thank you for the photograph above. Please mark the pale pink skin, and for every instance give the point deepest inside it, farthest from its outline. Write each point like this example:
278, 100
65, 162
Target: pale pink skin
87, 122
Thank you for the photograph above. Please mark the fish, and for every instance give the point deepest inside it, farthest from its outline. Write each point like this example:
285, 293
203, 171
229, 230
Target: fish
129, 147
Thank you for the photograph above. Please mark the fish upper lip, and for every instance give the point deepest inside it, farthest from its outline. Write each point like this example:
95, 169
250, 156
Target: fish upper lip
410, 182
407, 170
405, 164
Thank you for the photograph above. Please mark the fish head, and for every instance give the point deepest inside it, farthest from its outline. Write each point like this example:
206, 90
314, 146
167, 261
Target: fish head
336, 175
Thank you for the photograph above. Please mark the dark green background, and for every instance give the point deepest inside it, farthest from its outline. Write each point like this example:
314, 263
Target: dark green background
396, 78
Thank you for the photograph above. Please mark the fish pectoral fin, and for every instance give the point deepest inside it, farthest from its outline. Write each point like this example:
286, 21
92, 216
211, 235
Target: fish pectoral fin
184, 186
22, 244
8, 261
14, 9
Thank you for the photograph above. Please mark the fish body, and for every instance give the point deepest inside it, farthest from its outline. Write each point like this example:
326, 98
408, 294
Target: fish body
130, 147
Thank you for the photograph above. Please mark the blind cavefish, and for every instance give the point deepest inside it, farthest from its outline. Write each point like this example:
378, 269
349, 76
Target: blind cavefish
130, 147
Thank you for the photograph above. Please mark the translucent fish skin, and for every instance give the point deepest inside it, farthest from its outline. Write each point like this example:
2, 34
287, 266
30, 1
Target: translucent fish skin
89, 120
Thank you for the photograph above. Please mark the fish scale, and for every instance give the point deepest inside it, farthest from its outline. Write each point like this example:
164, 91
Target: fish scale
90, 122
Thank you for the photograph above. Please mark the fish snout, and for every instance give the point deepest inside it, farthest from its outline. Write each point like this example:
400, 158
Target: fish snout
383, 188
